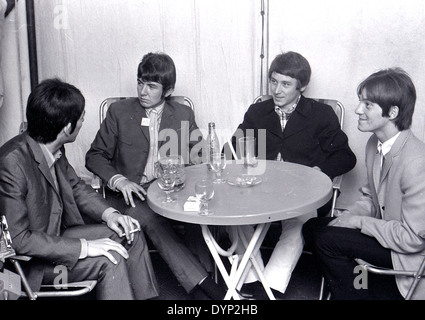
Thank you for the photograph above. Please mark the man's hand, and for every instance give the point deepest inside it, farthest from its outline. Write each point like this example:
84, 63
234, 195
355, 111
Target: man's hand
101, 247
346, 220
119, 222
127, 189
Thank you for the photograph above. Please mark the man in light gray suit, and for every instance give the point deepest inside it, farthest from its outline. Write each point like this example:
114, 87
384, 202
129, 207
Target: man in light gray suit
386, 226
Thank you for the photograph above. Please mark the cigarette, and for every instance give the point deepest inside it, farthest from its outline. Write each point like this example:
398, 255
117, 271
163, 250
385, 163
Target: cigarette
133, 231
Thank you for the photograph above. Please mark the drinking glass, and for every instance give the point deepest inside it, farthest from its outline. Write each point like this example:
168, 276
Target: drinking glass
247, 149
175, 163
204, 190
218, 163
166, 180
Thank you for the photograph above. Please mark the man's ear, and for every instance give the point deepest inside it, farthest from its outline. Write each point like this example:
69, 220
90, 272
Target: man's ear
67, 129
393, 113
168, 93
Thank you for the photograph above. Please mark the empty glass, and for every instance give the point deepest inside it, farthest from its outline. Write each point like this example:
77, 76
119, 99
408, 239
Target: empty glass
204, 190
218, 163
247, 149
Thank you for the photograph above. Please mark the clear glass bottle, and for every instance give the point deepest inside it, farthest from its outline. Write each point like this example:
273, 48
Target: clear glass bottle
213, 144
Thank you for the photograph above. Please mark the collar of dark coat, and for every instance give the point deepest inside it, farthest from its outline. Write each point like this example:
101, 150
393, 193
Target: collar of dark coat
38, 155
297, 122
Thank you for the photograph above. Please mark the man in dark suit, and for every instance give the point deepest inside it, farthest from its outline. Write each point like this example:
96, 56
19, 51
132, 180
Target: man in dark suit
291, 127
135, 132
45, 201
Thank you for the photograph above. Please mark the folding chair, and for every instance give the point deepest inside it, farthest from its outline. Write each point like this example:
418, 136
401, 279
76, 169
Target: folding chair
7, 253
416, 275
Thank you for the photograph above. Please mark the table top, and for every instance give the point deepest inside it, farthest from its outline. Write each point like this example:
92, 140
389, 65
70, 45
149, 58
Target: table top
287, 190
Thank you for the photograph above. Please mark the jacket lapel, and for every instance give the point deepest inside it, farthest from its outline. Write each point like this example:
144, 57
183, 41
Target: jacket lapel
139, 114
394, 152
167, 121
271, 120
41, 160
298, 121
54, 218
71, 215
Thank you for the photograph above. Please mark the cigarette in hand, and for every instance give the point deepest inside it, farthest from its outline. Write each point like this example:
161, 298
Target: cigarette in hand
134, 230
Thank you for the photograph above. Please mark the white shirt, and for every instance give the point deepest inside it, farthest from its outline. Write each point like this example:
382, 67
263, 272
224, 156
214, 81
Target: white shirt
387, 145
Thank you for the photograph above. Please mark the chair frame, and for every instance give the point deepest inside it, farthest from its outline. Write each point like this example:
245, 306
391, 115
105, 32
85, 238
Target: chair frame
103, 109
416, 275
75, 288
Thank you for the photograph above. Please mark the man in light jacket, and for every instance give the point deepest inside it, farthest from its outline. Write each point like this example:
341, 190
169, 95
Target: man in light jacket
386, 226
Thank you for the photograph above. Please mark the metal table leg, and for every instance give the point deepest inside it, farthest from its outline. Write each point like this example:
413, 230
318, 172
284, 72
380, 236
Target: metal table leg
239, 269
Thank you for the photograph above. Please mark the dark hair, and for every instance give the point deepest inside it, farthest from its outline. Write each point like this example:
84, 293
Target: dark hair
293, 65
388, 88
158, 67
50, 107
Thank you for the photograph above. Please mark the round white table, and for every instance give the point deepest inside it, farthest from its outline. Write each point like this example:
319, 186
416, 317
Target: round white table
287, 190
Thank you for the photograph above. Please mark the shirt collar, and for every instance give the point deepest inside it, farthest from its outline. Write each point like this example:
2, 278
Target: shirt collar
292, 109
157, 109
50, 158
386, 146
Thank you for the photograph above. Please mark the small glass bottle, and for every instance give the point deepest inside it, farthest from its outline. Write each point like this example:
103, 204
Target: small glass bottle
213, 145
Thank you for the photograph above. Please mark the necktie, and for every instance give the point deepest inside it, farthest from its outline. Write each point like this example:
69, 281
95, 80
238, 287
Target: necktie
381, 156
380, 189
153, 142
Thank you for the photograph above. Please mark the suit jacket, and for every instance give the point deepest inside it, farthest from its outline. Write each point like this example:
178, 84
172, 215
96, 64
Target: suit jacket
36, 211
395, 216
312, 136
121, 145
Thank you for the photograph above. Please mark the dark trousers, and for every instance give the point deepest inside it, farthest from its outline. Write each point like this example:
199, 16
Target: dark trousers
184, 264
324, 211
336, 248
129, 279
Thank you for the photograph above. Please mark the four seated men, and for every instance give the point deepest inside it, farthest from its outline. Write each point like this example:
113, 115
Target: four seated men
47, 204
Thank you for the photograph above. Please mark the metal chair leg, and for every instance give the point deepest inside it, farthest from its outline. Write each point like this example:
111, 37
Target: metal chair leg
28, 290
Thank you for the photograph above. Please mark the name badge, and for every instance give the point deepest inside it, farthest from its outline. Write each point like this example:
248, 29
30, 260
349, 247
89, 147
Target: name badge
145, 122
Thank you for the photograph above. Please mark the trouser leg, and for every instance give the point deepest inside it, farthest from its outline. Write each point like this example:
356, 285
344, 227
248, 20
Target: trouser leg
184, 265
286, 253
336, 248
140, 269
113, 279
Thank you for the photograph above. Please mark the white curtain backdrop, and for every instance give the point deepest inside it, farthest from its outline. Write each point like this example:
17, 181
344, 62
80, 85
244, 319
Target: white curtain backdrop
346, 41
216, 45
3, 5
97, 45
15, 69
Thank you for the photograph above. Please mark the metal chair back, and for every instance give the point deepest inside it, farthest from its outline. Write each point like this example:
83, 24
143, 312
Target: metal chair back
336, 105
104, 106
